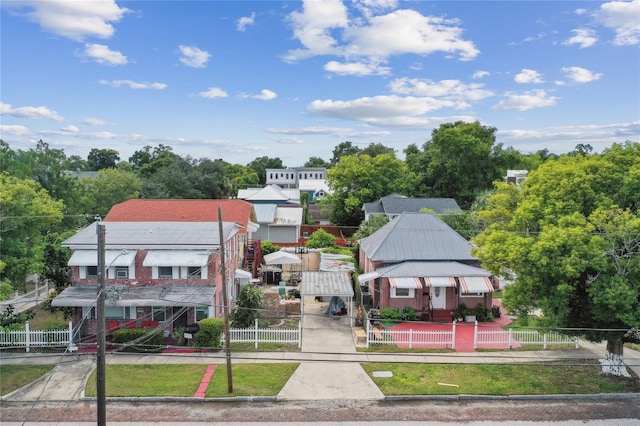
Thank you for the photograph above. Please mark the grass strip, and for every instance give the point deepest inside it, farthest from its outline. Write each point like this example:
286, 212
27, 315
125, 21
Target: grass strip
491, 379
14, 377
266, 379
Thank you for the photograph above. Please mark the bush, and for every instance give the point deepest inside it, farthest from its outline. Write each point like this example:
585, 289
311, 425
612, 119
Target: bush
391, 314
495, 311
267, 247
320, 239
248, 305
409, 314
139, 339
482, 314
210, 333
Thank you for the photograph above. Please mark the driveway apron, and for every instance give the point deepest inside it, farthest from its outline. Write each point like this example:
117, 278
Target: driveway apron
334, 372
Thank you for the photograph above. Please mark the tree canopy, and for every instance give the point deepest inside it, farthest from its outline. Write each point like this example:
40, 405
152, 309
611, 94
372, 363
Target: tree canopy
571, 239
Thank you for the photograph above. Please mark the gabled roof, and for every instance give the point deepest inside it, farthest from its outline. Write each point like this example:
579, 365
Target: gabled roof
154, 235
431, 269
395, 204
416, 236
270, 193
156, 210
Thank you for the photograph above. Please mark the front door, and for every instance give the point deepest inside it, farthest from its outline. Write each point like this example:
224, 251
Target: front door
179, 317
438, 297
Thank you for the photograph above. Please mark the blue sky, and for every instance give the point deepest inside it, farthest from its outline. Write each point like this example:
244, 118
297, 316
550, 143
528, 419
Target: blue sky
243, 79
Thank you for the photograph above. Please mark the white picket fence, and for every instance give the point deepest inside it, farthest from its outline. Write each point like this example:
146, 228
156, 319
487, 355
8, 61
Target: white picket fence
28, 338
257, 335
518, 337
411, 338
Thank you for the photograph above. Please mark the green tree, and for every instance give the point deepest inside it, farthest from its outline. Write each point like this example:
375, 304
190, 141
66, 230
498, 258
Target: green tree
361, 179
27, 214
460, 160
321, 239
100, 159
241, 177
571, 239
342, 150
261, 164
248, 306
111, 187
375, 149
370, 226
316, 162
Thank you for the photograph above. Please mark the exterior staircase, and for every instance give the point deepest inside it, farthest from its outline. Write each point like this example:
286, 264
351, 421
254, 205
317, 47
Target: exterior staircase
441, 315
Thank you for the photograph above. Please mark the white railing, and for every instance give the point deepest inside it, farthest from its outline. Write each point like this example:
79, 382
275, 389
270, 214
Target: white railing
518, 337
41, 338
257, 335
412, 338
27, 300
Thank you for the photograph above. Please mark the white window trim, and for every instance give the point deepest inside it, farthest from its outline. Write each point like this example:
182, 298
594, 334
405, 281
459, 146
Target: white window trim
395, 296
477, 294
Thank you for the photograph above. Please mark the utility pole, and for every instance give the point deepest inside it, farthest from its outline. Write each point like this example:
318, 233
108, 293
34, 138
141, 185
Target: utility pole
101, 399
225, 303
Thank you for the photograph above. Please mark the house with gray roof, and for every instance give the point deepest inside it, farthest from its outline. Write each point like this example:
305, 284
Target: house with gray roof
417, 260
395, 204
158, 274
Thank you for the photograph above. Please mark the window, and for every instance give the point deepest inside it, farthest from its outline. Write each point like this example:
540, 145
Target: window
122, 272
92, 271
202, 312
165, 272
194, 271
159, 313
401, 292
116, 312
472, 295
89, 312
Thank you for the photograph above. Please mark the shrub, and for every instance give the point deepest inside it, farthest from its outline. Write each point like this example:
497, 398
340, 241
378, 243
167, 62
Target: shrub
210, 333
391, 314
482, 314
320, 239
248, 305
139, 339
408, 313
495, 311
267, 247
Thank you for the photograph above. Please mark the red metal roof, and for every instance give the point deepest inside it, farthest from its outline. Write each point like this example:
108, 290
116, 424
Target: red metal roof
143, 210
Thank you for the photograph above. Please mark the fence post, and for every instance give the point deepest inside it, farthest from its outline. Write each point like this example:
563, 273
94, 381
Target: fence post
544, 341
255, 334
299, 334
577, 339
511, 338
27, 335
410, 338
453, 336
367, 327
70, 332
475, 335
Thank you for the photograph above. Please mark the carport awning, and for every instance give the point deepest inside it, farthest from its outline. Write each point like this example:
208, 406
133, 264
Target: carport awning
476, 285
326, 284
363, 278
440, 281
405, 282
159, 295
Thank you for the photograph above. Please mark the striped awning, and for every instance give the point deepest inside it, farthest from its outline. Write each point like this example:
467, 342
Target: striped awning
440, 281
476, 285
405, 282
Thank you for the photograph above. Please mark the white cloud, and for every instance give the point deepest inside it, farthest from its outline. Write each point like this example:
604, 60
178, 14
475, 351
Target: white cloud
580, 75
292, 140
528, 76
193, 56
265, 95
525, 101
373, 37
33, 113
450, 89
103, 55
580, 11
623, 17
14, 130
245, 21
583, 37
213, 92
356, 68
70, 129
331, 131
92, 121
480, 74
75, 20
134, 84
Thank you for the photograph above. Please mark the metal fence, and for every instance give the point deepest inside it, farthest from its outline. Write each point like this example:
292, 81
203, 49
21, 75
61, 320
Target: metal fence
28, 338
257, 335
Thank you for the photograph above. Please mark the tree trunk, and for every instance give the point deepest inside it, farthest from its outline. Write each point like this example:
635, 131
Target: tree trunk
613, 363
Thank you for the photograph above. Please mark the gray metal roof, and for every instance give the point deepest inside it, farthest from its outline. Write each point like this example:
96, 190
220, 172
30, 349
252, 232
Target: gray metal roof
153, 235
395, 204
416, 236
431, 269
152, 295
326, 284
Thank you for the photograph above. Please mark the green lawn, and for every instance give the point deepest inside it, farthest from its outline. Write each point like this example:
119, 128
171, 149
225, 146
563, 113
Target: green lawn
14, 377
184, 379
520, 379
